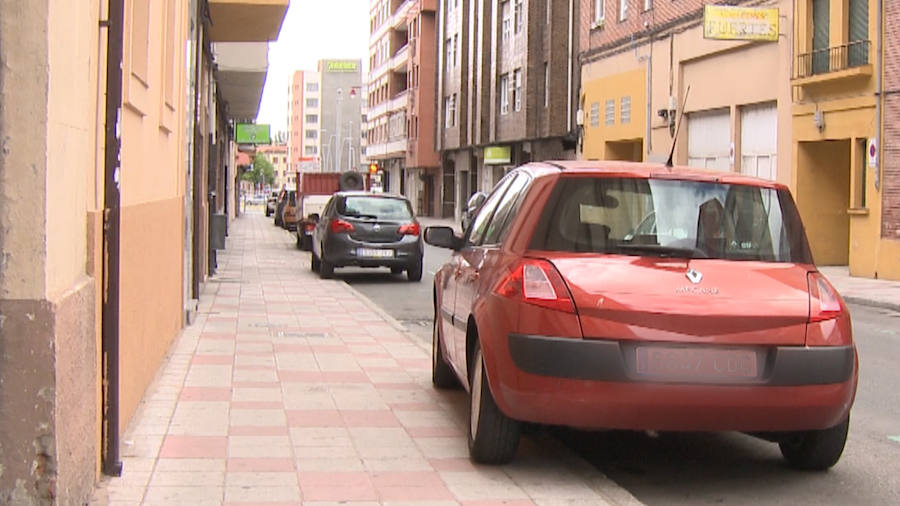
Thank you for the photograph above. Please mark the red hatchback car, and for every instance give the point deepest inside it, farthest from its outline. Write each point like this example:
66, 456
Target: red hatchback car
613, 295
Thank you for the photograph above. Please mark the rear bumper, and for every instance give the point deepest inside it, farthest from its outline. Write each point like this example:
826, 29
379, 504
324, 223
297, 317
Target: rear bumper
343, 252
592, 384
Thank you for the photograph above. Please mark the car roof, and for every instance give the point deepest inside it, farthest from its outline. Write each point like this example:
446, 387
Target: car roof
646, 171
359, 193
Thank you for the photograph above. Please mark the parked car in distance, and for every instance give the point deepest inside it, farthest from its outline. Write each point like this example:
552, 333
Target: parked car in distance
617, 295
367, 230
289, 211
271, 203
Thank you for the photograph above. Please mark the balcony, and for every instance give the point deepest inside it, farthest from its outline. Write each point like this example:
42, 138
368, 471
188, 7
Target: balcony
400, 59
834, 63
246, 20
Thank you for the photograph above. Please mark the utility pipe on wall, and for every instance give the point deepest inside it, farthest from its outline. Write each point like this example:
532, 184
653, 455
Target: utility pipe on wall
571, 39
112, 466
879, 85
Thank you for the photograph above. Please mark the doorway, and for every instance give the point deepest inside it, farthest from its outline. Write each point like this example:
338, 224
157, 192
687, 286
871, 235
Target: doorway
626, 151
823, 197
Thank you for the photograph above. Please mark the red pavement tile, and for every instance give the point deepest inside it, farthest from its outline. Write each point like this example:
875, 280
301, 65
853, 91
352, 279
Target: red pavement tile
329, 348
323, 377
258, 430
208, 394
328, 486
369, 418
499, 502
411, 486
314, 418
260, 465
253, 367
434, 431
291, 347
256, 384
452, 465
218, 335
254, 353
194, 447
213, 359
257, 405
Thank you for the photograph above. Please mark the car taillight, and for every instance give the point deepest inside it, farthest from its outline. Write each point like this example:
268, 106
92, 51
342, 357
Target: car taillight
409, 229
824, 303
341, 226
310, 227
537, 282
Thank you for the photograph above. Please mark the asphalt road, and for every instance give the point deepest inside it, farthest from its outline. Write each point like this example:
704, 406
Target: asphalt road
721, 468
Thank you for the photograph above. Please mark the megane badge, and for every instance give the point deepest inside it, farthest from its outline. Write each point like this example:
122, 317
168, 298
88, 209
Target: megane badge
694, 276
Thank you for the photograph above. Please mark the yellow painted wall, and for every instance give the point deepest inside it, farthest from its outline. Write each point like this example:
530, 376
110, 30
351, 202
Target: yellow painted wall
822, 196
152, 192
888, 265
597, 91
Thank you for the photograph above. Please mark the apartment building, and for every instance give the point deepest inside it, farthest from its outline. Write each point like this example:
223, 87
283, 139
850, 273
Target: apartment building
401, 100
304, 120
843, 186
284, 171
507, 89
108, 237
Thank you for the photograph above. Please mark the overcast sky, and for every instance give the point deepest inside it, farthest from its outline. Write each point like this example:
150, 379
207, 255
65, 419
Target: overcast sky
312, 30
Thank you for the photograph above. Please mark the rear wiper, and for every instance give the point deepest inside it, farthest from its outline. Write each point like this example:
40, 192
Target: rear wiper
663, 251
367, 216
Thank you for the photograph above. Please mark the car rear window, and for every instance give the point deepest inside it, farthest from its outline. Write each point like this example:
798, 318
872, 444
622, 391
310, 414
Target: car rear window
663, 217
381, 208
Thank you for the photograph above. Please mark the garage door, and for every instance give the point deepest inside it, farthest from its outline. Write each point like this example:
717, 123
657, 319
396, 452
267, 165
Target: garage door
759, 140
709, 139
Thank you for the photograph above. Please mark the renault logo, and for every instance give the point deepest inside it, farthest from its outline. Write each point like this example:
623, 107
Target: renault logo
694, 276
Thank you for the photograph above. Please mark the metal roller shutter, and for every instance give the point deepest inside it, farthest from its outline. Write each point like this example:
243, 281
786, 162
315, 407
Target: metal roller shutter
709, 139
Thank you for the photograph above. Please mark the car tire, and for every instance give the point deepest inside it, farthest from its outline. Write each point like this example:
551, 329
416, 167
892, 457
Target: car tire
268, 213
442, 375
314, 262
396, 270
414, 271
815, 450
326, 269
306, 243
493, 436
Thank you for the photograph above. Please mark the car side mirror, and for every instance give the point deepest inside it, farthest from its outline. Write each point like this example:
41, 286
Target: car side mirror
442, 237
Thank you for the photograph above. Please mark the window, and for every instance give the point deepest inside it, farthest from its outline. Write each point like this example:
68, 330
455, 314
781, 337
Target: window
549, 10
599, 12
504, 94
610, 112
455, 50
312, 102
546, 85
519, 15
517, 89
450, 111
309, 150
312, 134
595, 114
312, 118
505, 16
449, 44
479, 225
625, 110
506, 210
312, 87
623, 10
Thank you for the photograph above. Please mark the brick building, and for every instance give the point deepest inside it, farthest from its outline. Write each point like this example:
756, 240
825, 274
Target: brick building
400, 99
507, 85
890, 177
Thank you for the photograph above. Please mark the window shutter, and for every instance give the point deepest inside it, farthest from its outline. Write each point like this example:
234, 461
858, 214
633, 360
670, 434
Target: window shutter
858, 49
820, 36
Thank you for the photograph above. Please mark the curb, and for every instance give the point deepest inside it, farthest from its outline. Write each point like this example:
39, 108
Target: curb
862, 301
388, 318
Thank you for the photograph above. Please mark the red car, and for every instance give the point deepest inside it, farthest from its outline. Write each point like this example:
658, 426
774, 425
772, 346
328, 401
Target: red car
614, 295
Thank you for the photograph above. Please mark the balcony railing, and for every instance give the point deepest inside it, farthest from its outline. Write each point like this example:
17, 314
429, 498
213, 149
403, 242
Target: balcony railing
832, 59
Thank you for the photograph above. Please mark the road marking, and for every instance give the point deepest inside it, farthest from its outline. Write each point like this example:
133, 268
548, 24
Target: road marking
895, 439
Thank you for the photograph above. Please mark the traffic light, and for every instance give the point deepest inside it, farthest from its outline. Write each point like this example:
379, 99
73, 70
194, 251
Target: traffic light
373, 168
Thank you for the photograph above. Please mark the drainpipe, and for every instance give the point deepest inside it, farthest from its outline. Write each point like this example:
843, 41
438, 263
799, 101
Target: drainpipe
571, 36
648, 59
112, 466
878, 92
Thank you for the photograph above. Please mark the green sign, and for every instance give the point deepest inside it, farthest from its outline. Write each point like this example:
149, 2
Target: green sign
496, 155
341, 66
251, 133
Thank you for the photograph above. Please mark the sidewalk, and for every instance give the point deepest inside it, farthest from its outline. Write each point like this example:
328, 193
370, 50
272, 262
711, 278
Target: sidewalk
289, 389
865, 291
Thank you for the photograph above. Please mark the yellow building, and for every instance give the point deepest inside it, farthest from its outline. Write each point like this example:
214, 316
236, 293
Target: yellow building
107, 192
835, 124
643, 74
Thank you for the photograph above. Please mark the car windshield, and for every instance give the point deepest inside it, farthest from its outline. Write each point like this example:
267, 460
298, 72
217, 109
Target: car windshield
672, 218
380, 208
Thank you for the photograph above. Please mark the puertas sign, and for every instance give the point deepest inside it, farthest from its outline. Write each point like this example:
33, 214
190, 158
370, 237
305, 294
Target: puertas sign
725, 22
252, 133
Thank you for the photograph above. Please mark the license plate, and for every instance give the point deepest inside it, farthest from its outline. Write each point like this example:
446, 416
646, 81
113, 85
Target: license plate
673, 363
375, 253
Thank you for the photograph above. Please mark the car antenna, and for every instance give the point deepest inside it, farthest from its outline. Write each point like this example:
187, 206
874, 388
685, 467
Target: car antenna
678, 127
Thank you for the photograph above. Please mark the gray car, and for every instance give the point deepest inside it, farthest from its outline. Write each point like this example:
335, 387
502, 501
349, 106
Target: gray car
367, 230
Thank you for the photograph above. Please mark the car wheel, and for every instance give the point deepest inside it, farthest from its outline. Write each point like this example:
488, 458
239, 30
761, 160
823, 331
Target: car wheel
442, 375
268, 213
493, 437
396, 270
414, 271
306, 243
326, 269
314, 262
815, 450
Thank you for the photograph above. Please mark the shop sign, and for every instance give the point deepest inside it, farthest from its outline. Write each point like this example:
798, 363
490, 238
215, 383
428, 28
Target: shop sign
341, 66
724, 22
496, 155
252, 133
